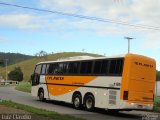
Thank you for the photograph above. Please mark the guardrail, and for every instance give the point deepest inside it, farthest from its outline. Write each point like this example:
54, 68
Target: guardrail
9, 83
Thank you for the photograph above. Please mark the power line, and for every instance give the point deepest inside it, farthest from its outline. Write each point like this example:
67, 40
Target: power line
85, 17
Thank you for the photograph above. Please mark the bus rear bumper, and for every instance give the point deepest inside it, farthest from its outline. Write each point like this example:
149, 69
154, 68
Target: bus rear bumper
136, 106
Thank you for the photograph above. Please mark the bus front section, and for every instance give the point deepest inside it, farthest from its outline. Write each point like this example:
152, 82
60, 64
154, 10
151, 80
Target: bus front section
138, 83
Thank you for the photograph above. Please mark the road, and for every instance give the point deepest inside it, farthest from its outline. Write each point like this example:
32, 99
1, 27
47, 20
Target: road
9, 93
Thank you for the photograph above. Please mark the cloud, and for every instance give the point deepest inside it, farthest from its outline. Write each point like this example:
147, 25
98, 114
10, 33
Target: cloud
145, 12
151, 41
20, 21
137, 11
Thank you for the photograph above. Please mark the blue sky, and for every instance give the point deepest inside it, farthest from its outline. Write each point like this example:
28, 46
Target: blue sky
28, 31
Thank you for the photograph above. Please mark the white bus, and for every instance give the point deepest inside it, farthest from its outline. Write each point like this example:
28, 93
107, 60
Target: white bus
124, 82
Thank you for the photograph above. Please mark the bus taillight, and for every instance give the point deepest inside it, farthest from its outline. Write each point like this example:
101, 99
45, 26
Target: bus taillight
125, 95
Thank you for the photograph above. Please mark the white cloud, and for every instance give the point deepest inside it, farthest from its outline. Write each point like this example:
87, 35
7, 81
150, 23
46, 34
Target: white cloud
20, 21
151, 41
145, 12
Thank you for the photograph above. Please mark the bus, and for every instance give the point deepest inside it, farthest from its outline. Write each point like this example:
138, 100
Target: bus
123, 82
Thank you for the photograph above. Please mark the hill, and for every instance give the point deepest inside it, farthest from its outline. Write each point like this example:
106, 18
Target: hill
13, 58
27, 66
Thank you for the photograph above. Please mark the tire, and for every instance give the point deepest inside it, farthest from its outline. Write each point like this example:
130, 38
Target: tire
89, 102
41, 95
77, 101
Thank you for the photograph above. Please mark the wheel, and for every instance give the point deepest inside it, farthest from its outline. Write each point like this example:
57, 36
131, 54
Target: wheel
41, 95
89, 102
77, 101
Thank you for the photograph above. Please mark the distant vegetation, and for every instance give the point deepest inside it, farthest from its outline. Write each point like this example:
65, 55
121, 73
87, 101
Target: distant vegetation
28, 66
27, 63
16, 74
12, 58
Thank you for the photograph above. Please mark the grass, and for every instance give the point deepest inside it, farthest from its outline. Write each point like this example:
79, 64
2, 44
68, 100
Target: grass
37, 111
27, 66
157, 104
24, 86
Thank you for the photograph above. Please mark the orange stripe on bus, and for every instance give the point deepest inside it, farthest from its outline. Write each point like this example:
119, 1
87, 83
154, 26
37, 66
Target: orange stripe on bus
71, 80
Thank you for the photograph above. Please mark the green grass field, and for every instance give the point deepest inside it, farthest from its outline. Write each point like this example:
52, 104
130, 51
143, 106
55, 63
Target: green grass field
24, 86
37, 111
28, 65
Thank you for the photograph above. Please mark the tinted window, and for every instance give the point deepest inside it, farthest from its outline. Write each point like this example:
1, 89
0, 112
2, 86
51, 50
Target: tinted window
53, 68
73, 67
97, 67
101, 67
104, 67
62, 68
116, 66
86, 67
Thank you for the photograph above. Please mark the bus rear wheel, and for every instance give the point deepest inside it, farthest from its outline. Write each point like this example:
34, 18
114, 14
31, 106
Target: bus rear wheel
41, 95
89, 102
77, 101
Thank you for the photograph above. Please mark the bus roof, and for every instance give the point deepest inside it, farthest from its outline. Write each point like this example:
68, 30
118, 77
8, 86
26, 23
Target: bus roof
81, 58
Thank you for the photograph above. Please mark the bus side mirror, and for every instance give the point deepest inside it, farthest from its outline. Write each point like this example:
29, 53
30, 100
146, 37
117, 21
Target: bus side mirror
32, 76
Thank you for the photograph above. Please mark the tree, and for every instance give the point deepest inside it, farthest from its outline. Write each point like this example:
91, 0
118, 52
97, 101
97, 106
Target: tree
16, 74
42, 54
1, 63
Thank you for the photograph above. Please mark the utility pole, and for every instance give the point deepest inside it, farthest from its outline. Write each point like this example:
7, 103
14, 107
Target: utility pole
129, 39
6, 69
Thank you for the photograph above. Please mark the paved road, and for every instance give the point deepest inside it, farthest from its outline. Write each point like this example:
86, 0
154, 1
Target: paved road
9, 93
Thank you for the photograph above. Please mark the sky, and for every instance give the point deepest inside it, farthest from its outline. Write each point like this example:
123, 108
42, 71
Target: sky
28, 32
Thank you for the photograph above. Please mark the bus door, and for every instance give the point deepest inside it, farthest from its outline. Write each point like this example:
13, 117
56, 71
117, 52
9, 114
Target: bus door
35, 77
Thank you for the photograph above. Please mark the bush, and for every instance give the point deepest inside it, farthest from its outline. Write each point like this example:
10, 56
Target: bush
16, 74
24, 87
157, 104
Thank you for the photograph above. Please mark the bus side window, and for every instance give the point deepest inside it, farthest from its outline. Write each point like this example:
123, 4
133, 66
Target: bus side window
73, 67
50, 69
53, 68
104, 68
47, 68
43, 69
101, 67
86, 67
116, 67
62, 69
97, 67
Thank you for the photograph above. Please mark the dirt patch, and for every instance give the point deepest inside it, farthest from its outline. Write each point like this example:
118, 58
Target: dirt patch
8, 113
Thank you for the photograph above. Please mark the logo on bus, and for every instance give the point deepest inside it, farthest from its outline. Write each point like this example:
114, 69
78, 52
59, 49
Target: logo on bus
144, 64
54, 78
